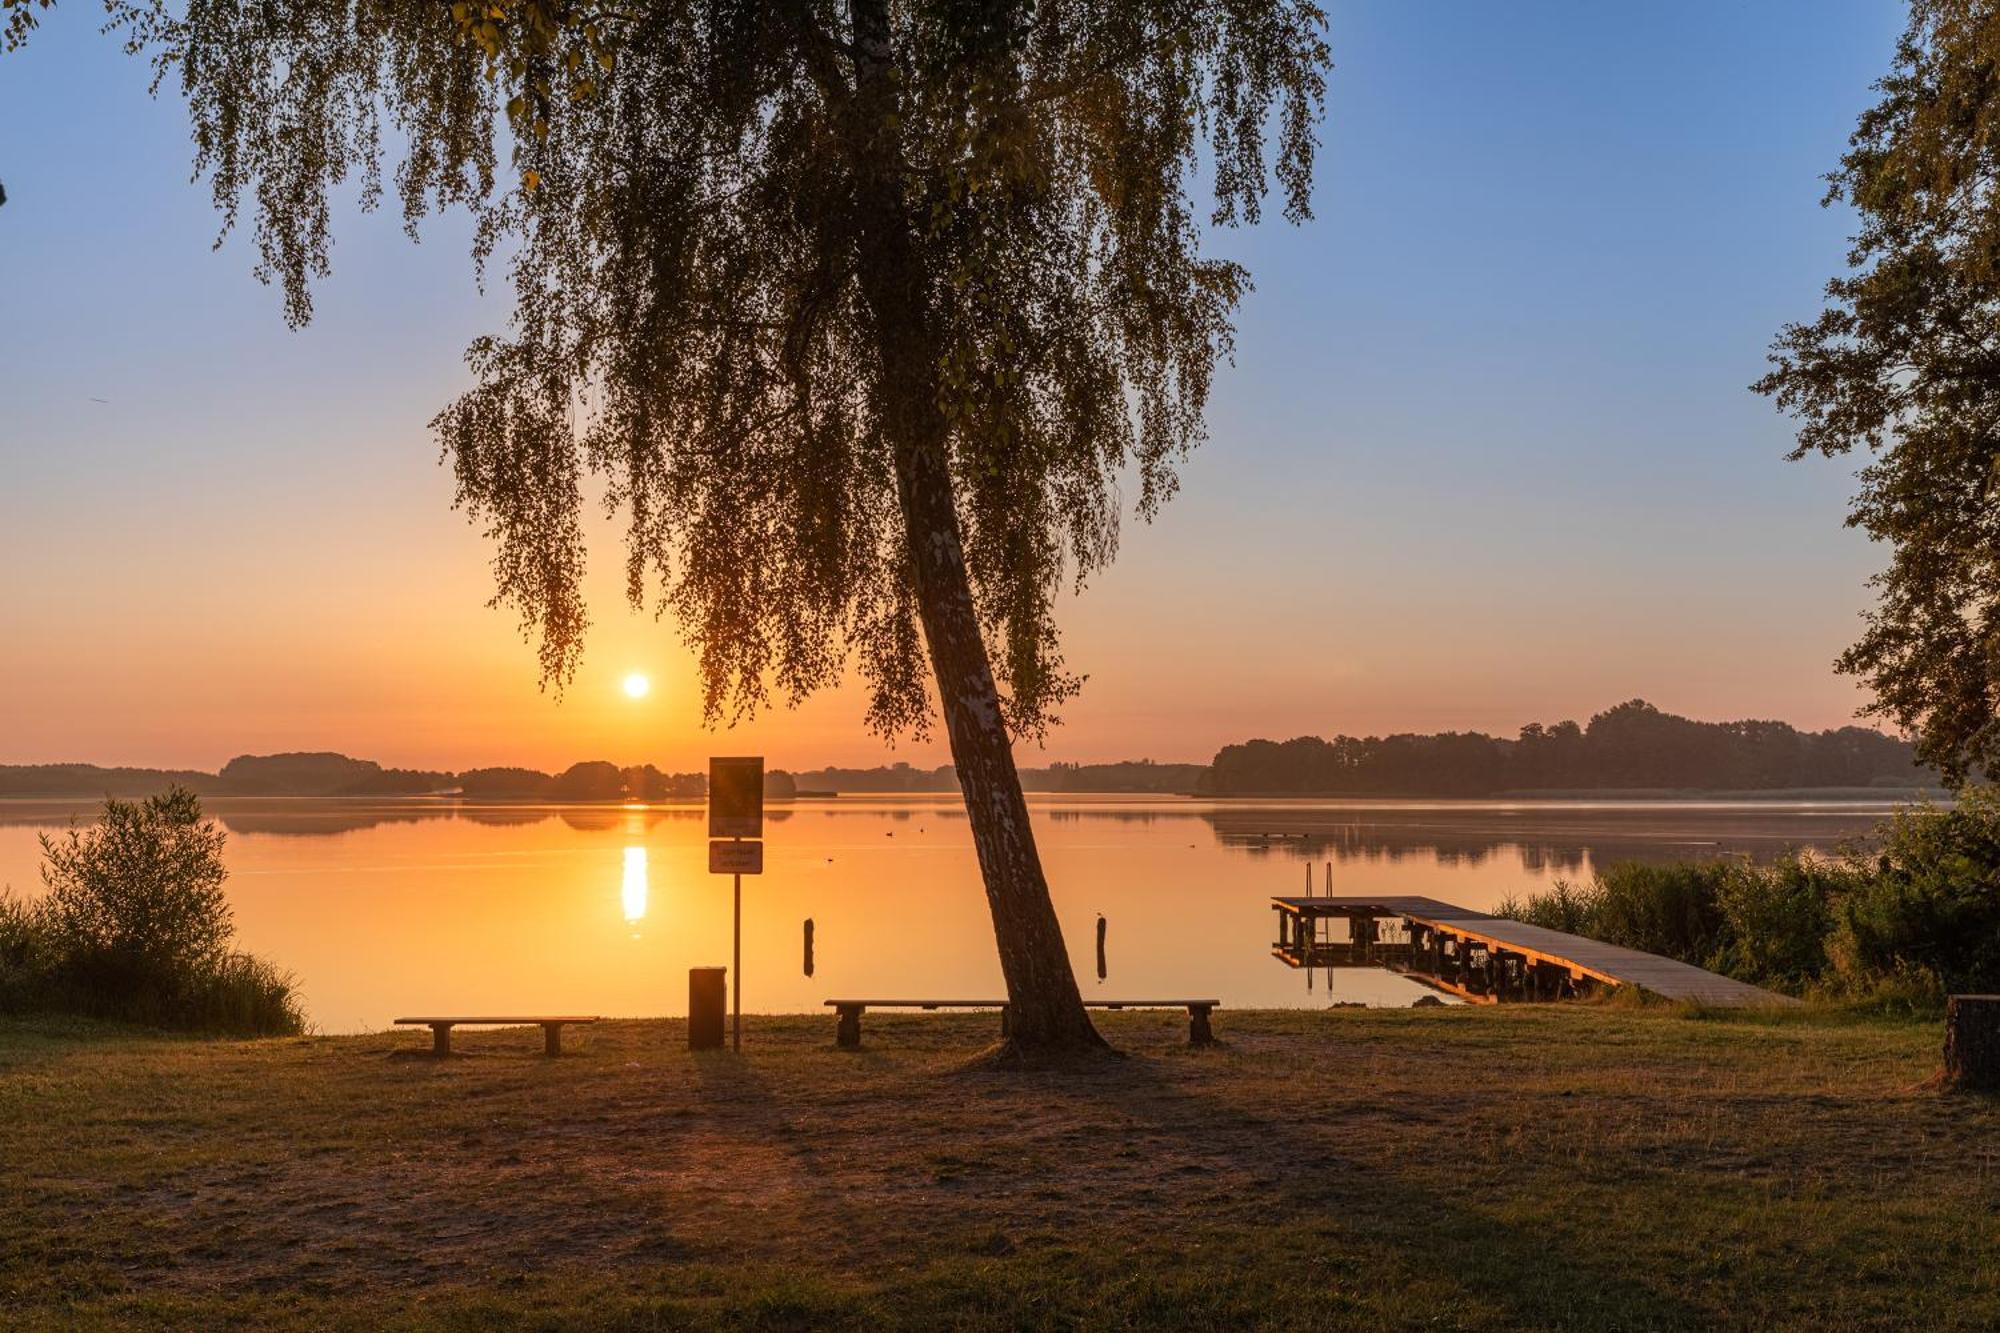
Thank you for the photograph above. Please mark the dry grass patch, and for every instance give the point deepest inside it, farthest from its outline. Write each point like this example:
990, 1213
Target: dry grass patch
1565, 1166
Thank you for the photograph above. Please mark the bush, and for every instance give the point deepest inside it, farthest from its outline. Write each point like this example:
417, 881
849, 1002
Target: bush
1930, 904
1764, 924
1776, 919
1897, 928
1674, 910
135, 927
23, 953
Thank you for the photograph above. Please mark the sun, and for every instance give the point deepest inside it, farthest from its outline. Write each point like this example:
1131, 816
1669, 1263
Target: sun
636, 685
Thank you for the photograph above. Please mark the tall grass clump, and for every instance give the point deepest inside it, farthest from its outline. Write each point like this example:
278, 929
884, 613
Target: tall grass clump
135, 927
1899, 925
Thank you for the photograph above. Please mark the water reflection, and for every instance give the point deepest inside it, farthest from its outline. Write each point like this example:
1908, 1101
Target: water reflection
384, 907
633, 891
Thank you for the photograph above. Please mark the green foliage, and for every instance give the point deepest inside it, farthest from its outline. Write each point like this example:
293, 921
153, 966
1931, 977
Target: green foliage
135, 927
1898, 928
1664, 909
763, 258
1676, 909
1901, 364
143, 886
1775, 919
23, 953
1931, 907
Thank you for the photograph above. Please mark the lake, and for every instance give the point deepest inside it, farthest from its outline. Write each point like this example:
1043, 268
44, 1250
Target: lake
383, 908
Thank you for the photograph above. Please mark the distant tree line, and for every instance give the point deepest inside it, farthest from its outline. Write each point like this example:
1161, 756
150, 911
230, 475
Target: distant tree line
1633, 746
1131, 775
329, 774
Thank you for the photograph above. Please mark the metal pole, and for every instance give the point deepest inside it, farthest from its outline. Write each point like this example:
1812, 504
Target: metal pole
736, 966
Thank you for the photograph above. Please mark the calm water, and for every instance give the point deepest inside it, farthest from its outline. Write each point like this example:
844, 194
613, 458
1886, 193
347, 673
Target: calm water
384, 909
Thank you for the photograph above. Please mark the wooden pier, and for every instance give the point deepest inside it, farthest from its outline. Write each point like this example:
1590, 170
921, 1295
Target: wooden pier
1484, 959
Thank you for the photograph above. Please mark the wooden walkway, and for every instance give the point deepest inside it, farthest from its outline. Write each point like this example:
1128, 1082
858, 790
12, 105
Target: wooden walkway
1482, 958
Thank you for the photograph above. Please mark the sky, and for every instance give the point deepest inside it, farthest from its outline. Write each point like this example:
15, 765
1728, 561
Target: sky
1485, 457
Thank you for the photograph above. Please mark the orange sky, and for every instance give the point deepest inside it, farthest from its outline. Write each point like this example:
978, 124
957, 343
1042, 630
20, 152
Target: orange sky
1485, 455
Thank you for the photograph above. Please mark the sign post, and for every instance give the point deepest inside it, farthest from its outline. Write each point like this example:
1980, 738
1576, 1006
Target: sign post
736, 813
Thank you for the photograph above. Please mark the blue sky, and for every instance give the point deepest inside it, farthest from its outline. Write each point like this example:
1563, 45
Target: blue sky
1486, 455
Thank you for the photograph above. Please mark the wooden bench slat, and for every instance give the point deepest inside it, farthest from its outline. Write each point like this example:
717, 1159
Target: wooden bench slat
1001, 1004
550, 1024
918, 1004
1150, 1004
510, 1022
848, 1033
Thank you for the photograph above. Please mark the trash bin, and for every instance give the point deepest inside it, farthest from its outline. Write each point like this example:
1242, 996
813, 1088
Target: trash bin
708, 1005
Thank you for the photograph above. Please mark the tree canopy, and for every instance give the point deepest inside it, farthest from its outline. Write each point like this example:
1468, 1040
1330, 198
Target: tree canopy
673, 190
1904, 363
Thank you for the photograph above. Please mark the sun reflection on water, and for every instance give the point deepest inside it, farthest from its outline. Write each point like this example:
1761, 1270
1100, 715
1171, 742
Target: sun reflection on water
633, 891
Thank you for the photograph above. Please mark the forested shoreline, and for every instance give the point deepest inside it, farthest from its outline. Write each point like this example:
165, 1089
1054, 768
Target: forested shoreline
1633, 748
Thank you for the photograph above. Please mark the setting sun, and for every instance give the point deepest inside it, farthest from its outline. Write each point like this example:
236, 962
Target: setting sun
636, 685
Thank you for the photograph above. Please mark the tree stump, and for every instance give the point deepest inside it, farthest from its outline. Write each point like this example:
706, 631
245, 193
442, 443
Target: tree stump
1972, 1043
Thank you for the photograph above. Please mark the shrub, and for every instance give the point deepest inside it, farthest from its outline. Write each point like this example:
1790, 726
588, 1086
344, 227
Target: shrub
141, 889
1930, 902
1776, 918
1898, 928
135, 927
1673, 909
23, 953
1766, 924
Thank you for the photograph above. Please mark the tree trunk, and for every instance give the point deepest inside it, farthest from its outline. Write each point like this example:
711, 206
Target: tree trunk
1045, 1008
1972, 1043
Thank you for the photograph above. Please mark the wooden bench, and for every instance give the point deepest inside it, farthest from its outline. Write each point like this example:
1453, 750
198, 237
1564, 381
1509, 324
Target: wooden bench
847, 1032
441, 1029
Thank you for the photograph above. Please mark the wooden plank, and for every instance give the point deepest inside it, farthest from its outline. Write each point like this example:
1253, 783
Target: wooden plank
919, 1004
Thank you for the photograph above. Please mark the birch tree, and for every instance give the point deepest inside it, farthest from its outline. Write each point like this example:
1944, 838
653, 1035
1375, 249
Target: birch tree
870, 318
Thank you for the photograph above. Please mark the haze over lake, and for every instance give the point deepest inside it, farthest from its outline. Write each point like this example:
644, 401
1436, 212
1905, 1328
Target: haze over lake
402, 907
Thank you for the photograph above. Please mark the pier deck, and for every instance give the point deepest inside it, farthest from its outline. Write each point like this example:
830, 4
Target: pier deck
1482, 958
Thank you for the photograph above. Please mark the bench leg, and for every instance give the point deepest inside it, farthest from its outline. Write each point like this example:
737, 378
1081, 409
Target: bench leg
440, 1039
1199, 1032
1006, 1022
848, 1034
552, 1039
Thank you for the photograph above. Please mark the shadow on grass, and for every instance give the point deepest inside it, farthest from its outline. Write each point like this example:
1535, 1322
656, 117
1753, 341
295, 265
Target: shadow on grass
1362, 1223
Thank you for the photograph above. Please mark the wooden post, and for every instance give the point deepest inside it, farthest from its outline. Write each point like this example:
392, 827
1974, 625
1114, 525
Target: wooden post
440, 1039
736, 966
1972, 1043
552, 1038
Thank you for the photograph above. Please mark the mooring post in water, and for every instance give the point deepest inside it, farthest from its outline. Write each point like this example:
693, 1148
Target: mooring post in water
1100, 946
809, 946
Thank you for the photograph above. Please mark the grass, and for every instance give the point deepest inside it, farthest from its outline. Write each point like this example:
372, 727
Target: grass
1531, 1166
